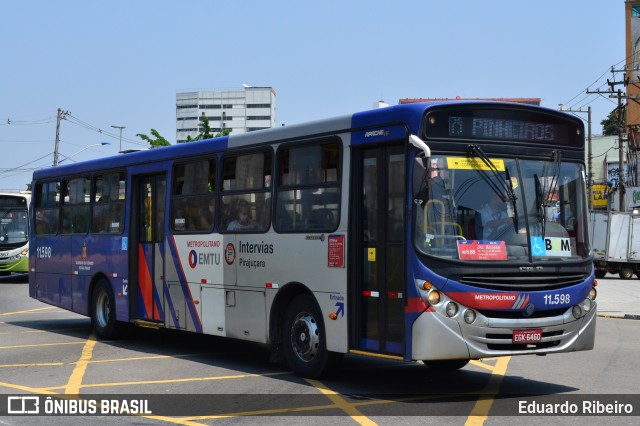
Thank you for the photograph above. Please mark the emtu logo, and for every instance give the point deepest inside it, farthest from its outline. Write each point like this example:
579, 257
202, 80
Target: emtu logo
193, 259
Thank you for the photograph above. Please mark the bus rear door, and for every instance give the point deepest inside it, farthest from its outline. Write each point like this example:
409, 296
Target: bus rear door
147, 261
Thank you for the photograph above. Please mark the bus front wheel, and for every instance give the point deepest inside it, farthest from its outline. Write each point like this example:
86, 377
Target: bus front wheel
103, 318
304, 339
446, 364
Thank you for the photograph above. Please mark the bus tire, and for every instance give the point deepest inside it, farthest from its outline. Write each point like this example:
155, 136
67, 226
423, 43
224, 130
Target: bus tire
446, 364
626, 272
304, 339
103, 313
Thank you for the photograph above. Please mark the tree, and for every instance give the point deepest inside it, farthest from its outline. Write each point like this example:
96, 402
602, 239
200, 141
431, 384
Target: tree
205, 133
612, 124
158, 142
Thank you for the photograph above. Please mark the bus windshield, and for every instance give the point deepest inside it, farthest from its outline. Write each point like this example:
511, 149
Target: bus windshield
476, 208
13, 225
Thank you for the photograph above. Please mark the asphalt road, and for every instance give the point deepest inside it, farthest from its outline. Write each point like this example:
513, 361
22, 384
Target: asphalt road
192, 379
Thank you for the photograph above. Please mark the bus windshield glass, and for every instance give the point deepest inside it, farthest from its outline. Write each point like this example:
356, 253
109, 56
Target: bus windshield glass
488, 209
13, 224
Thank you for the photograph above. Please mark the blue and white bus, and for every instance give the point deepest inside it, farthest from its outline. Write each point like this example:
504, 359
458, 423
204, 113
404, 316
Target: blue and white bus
14, 232
370, 233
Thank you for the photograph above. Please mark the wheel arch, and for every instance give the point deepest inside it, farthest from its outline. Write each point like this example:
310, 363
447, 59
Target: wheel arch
276, 316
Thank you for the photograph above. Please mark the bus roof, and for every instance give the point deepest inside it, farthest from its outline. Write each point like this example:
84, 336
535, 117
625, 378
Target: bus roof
407, 115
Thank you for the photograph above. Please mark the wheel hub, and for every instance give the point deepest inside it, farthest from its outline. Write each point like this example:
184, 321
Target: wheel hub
305, 336
103, 310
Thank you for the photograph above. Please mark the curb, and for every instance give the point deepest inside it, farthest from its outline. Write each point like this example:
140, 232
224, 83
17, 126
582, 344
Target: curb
620, 316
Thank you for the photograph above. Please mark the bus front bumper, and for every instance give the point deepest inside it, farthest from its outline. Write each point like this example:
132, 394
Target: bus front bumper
20, 266
438, 337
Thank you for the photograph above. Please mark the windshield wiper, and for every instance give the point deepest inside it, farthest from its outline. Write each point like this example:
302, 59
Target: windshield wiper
540, 203
544, 195
553, 185
507, 185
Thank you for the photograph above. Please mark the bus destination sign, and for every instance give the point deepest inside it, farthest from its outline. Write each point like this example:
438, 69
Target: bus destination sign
496, 124
496, 128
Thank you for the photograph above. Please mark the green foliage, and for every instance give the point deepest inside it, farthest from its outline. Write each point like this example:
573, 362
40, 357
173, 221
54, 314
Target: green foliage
612, 124
206, 132
225, 132
158, 142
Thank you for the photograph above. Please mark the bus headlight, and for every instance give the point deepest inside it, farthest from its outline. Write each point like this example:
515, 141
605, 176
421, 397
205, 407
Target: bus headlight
434, 297
587, 304
593, 293
576, 311
451, 309
469, 316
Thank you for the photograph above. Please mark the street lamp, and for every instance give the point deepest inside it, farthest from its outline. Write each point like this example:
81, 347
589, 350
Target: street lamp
66, 157
119, 127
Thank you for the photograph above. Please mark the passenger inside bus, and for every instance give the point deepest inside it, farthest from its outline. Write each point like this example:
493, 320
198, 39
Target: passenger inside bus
243, 220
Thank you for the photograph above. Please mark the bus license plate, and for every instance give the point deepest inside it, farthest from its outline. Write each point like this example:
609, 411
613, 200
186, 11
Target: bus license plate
527, 336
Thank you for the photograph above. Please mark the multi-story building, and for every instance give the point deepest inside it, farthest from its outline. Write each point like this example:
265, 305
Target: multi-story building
241, 110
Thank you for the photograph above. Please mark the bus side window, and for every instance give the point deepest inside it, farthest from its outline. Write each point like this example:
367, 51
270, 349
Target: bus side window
264, 214
193, 196
75, 209
47, 208
246, 192
283, 220
108, 200
308, 187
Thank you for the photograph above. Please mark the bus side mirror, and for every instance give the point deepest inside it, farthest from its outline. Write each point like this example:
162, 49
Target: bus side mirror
425, 162
420, 144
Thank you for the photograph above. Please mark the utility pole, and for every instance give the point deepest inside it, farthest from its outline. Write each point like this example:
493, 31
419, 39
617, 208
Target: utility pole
621, 129
589, 152
61, 115
621, 190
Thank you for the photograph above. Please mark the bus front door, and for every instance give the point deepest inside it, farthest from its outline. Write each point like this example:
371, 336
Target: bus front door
378, 225
148, 234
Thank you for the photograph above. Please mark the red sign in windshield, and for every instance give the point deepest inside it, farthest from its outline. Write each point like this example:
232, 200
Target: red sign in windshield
482, 250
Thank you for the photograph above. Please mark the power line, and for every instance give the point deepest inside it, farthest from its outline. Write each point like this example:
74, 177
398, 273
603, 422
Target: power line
24, 165
74, 120
26, 140
10, 122
570, 103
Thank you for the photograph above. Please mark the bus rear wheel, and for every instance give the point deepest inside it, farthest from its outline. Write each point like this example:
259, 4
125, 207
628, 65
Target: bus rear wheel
446, 364
103, 318
304, 339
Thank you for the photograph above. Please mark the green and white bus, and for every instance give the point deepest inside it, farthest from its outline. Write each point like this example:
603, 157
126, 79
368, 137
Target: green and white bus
14, 232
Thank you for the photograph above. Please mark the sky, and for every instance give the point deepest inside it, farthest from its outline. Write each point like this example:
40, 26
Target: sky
121, 62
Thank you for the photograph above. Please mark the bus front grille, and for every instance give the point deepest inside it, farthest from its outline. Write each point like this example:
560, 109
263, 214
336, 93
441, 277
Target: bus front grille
521, 313
521, 282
